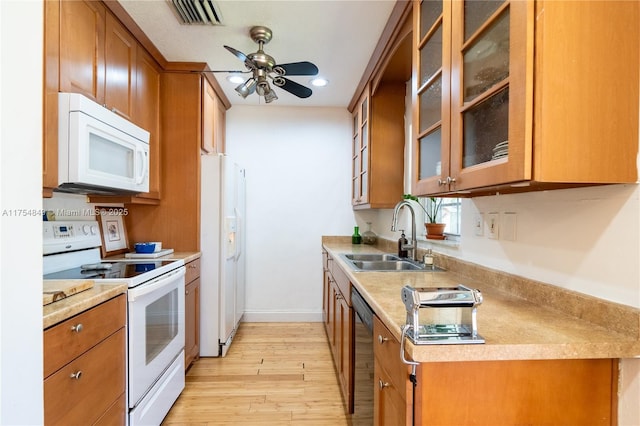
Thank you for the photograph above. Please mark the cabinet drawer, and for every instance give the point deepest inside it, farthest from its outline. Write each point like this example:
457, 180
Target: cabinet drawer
193, 271
101, 381
65, 341
386, 350
115, 415
342, 281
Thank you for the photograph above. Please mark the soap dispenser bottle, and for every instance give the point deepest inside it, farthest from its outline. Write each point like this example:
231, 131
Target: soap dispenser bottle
402, 241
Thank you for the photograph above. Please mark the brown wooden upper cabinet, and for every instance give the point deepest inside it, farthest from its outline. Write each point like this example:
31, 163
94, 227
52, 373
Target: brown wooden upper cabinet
378, 136
213, 120
512, 96
97, 56
89, 51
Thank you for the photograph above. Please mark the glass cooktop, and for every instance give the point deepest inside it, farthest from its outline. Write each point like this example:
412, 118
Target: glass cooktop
117, 270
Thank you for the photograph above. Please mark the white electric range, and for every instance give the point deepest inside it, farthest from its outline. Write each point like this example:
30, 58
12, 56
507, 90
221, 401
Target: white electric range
155, 312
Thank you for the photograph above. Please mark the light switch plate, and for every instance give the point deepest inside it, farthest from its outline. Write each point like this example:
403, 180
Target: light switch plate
508, 222
478, 224
493, 226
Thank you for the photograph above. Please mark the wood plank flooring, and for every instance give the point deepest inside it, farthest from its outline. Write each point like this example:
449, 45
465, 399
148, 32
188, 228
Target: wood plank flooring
274, 374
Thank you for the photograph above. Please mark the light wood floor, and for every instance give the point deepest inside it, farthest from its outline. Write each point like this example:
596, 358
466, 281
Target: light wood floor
274, 374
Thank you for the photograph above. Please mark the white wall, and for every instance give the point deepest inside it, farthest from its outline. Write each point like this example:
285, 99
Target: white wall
21, 26
298, 167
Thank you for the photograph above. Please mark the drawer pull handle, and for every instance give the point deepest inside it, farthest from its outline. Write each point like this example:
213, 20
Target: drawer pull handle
76, 375
382, 384
77, 328
382, 339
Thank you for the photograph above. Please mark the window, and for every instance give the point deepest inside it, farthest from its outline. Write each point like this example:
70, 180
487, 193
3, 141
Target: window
449, 213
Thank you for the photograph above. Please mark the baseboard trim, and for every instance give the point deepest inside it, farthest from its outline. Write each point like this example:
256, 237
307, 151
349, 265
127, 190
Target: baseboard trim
258, 316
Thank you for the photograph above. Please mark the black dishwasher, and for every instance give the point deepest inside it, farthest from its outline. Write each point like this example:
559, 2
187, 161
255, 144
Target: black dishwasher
363, 368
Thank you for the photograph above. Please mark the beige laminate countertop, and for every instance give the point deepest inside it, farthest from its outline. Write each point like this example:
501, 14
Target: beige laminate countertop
61, 310
514, 327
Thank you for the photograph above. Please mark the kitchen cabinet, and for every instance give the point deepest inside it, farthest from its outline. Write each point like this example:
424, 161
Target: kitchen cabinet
571, 392
339, 324
120, 75
84, 367
146, 114
89, 51
82, 47
392, 398
192, 313
379, 129
97, 56
500, 106
213, 120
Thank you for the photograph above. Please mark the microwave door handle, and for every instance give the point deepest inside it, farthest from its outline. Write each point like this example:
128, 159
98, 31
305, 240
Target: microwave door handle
141, 154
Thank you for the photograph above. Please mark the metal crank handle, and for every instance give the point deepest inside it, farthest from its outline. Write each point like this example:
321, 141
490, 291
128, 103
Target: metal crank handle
402, 339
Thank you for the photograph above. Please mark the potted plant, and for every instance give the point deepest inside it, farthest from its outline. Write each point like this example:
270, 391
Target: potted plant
435, 230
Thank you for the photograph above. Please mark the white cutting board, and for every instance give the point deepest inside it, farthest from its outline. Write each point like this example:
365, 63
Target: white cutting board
148, 255
54, 290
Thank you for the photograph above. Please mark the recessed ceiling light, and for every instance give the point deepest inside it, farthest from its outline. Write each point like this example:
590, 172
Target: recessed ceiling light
319, 82
235, 78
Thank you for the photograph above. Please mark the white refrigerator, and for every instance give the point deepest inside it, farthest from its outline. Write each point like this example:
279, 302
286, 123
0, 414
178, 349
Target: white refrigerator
222, 244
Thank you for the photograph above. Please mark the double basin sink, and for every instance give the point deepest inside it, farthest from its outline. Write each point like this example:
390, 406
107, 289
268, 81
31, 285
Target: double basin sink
384, 262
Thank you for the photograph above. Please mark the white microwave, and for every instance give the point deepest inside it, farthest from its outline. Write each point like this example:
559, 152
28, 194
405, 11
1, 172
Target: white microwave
99, 152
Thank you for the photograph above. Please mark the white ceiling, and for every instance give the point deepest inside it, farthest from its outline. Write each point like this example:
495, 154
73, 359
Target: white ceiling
338, 36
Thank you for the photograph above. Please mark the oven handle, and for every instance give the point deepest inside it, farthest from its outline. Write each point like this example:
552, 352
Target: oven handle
155, 284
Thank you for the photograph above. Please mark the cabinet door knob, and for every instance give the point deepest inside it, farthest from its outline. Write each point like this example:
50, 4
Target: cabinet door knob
382, 384
451, 180
76, 375
382, 339
441, 182
77, 328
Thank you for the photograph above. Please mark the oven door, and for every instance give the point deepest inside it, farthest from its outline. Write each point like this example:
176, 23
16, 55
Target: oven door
156, 330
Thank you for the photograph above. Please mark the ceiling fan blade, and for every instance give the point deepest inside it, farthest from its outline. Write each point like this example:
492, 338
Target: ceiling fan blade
241, 56
299, 68
294, 88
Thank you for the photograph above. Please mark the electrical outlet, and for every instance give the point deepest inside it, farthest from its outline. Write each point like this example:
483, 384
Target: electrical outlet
478, 224
508, 226
493, 225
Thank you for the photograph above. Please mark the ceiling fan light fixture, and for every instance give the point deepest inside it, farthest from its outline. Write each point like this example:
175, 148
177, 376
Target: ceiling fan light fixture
246, 88
270, 96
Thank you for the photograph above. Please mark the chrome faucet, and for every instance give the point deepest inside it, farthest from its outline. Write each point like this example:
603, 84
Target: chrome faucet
414, 241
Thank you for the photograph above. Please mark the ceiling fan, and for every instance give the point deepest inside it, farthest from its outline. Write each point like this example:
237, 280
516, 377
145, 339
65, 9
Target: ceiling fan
264, 68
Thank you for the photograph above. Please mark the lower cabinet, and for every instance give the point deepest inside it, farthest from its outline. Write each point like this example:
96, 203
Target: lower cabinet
535, 392
192, 313
392, 396
339, 322
568, 391
84, 367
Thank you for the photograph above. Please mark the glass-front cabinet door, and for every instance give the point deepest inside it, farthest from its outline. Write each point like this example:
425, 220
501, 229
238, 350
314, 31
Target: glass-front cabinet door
432, 64
360, 159
489, 60
470, 61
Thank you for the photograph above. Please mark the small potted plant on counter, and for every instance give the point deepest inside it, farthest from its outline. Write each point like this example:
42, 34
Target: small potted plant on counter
435, 230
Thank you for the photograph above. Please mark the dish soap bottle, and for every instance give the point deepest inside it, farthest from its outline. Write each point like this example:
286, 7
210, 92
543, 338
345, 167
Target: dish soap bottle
368, 236
401, 242
356, 238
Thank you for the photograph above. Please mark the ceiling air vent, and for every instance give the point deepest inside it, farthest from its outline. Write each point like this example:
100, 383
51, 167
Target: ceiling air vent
199, 12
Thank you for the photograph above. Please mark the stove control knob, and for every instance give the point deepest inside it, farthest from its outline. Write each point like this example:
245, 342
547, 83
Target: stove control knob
94, 230
86, 229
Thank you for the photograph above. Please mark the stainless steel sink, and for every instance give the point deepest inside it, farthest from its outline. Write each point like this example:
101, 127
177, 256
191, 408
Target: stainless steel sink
372, 257
384, 262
